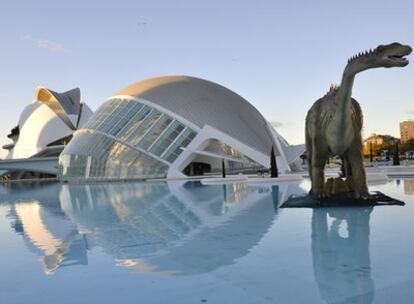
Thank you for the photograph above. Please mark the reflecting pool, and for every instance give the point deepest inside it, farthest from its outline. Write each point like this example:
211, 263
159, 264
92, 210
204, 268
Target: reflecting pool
182, 242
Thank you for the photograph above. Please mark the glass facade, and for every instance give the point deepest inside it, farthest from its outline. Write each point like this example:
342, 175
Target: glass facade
241, 162
124, 139
96, 156
220, 148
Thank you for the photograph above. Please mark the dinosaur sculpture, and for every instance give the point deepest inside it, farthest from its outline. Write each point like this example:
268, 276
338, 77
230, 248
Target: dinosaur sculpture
334, 122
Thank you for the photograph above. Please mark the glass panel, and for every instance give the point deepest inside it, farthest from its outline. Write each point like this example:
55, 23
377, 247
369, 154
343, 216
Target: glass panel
165, 140
134, 123
124, 117
114, 115
136, 135
102, 113
177, 148
155, 131
217, 147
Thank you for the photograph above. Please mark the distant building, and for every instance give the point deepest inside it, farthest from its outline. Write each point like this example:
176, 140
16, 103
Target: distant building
378, 142
407, 130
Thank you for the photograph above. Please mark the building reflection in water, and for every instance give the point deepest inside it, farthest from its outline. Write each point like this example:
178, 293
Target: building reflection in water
341, 258
180, 228
409, 186
45, 229
172, 228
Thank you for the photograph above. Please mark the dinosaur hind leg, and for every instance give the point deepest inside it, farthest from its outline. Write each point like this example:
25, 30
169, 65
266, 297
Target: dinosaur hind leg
355, 159
319, 156
346, 167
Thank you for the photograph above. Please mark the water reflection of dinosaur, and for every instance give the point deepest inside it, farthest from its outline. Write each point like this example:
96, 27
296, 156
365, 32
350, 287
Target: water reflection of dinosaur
341, 263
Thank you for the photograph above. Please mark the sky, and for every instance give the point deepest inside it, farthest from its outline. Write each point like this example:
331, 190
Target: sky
279, 55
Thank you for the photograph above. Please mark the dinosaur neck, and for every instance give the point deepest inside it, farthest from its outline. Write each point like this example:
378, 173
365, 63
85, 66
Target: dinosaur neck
343, 96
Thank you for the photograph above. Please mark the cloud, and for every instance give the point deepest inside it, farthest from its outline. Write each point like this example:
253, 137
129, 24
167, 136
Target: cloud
46, 44
276, 124
410, 112
50, 45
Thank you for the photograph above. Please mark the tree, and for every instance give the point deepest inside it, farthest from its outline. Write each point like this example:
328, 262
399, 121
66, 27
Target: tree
407, 146
223, 169
371, 156
273, 164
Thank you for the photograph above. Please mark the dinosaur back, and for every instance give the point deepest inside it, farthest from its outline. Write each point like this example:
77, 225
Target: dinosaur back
322, 111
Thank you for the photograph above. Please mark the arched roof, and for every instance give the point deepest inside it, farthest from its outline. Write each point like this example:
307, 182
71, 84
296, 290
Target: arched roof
206, 103
63, 104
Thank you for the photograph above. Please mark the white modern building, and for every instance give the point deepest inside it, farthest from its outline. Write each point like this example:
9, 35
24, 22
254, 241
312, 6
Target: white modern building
45, 126
173, 127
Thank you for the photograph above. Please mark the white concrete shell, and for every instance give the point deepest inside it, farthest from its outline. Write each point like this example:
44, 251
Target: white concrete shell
51, 116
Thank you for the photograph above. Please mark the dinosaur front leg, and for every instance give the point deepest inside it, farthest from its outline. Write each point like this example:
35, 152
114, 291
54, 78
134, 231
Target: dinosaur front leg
318, 176
355, 158
309, 162
310, 170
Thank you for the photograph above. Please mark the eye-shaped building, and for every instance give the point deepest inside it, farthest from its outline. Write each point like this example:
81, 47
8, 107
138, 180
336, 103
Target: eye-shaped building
172, 127
47, 123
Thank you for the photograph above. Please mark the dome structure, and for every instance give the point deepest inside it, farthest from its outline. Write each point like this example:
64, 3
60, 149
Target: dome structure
171, 127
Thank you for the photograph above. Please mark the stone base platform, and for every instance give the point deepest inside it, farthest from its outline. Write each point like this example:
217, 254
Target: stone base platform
341, 200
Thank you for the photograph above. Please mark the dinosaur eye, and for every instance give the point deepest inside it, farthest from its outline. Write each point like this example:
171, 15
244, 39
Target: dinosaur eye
380, 49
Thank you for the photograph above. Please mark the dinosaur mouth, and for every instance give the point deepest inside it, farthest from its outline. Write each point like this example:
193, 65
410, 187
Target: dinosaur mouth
399, 58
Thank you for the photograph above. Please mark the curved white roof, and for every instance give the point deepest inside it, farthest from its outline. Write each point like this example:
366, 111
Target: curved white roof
51, 116
63, 104
206, 103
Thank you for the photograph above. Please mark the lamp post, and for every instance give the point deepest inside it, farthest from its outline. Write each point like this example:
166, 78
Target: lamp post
396, 159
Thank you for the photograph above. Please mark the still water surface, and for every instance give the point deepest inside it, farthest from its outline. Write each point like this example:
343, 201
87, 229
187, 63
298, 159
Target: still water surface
181, 242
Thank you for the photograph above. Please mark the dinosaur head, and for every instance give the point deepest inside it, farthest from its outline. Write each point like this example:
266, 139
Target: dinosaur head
387, 56
392, 55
